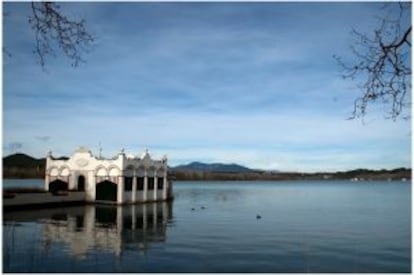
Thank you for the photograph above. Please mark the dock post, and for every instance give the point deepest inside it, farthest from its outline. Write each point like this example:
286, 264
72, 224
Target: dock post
134, 189
164, 186
47, 179
145, 193
155, 185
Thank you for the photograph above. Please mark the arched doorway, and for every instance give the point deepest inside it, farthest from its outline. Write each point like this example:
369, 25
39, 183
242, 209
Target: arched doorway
106, 190
57, 185
81, 183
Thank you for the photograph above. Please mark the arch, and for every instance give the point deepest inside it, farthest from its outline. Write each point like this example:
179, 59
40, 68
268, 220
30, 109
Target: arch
64, 171
58, 185
151, 171
54, 172
101, 171
106, 190
81, 183
161, 171
114, 171
129, 171
140, 171
130, 167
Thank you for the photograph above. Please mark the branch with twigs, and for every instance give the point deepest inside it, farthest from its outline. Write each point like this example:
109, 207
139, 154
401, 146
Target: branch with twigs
52, 27
383, 66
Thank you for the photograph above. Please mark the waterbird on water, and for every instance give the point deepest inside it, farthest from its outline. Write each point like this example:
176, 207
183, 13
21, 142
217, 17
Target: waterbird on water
192, 209
202, 207
258, 216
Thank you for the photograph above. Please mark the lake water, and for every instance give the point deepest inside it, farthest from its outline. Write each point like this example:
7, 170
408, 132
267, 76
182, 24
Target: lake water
213, 227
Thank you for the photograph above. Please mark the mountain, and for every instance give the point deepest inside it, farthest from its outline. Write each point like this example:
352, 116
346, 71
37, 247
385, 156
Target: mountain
22, 166
213, 167
22, 160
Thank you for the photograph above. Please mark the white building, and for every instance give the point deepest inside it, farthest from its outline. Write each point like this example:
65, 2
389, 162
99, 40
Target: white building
122, 179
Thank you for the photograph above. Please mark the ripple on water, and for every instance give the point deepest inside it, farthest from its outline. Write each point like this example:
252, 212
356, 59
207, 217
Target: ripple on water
305, 227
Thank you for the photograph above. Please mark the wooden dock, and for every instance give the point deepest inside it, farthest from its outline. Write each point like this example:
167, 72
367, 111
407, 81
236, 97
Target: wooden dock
42, 200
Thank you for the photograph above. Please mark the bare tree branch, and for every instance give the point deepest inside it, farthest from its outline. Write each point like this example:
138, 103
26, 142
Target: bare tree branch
383, 65
52, 27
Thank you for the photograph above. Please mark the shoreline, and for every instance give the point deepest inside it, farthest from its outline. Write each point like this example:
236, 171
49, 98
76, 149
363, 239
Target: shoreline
403, 179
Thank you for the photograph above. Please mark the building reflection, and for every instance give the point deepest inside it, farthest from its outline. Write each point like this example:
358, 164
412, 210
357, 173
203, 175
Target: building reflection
110, 228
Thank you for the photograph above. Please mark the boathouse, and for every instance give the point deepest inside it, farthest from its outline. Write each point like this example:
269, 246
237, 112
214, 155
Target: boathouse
122, 179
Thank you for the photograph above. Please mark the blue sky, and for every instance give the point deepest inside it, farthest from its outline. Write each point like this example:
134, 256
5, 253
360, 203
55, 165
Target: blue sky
247, 83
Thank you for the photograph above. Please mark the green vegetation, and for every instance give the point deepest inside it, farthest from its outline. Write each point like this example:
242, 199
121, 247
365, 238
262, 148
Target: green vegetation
359, 174
22, 160
22, 166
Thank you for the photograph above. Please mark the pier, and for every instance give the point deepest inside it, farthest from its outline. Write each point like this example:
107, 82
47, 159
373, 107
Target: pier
25, 201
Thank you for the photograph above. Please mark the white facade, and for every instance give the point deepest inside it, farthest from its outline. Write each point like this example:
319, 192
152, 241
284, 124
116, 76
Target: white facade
122, 179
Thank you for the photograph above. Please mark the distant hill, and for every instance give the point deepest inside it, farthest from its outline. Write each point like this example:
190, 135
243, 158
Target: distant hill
22, 166
22, 160
213, 167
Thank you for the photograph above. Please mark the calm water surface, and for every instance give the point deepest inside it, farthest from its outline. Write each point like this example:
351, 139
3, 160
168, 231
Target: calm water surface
212, 227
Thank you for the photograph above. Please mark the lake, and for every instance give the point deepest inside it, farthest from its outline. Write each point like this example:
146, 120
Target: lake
304, 226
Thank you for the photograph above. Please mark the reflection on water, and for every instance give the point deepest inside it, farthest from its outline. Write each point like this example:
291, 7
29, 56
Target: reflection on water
109, 228
304, 227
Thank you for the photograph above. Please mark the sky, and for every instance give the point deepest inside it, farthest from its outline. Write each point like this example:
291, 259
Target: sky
248, 83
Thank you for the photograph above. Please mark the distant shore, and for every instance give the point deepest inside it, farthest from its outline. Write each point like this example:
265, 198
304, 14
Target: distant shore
354, 175
400, 174
21, 166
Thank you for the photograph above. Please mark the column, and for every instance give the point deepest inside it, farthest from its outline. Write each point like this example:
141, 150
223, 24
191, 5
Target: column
155, 185
90, 187
47, 179
69, 181
134, 188
145, 191
120, 190
164, 186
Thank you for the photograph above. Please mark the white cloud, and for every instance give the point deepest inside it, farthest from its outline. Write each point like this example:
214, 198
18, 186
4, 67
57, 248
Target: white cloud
285, 141
260, 92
